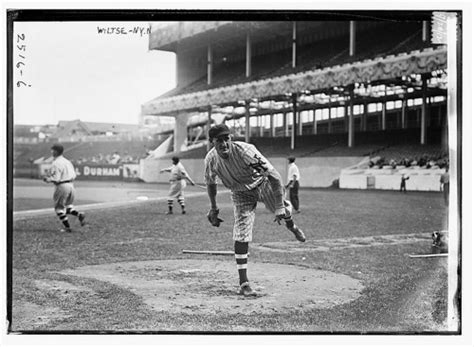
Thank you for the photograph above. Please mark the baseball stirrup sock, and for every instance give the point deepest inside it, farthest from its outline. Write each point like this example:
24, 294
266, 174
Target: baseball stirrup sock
241, 256
63, 218
71, 210
289, 222
181, 202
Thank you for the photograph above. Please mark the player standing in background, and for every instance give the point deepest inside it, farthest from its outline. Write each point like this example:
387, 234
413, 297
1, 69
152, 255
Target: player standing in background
62, 174
294, 184
178, 175
444, 185
251, 178
403, 184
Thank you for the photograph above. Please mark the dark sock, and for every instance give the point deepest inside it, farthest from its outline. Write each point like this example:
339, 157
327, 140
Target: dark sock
241, 256
72, 211
63, 218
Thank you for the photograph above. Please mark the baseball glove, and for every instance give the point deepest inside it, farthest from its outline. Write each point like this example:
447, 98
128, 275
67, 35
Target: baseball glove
213, 218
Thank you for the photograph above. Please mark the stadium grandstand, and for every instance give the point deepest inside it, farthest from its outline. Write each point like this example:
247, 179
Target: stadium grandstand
312, 89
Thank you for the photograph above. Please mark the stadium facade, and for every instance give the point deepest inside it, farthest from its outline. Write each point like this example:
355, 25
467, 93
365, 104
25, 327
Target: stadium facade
349, 80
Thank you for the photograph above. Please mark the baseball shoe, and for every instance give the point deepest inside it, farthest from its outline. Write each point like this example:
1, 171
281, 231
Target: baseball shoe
183, 212
169, 212
245, 290
65, 230
82, 218
298, 233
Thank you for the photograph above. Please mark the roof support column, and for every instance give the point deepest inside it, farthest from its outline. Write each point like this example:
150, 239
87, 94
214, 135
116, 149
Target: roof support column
180, 132
209, 64
293, 128
247, 120
423, 113
424, 33
294, 46
261, 121
350, 140
384, 115
364, 116
272, 121
315, 123
209, 116
352, 37
248, 54
404, 113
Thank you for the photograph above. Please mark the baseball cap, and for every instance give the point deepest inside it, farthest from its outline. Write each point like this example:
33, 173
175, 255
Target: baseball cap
219, 130
58, 148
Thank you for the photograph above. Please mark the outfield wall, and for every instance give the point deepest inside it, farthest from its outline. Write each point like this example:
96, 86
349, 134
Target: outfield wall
315, 171
390, 179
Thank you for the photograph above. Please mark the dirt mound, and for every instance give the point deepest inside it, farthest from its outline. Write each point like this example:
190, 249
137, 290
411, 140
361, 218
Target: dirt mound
210, 286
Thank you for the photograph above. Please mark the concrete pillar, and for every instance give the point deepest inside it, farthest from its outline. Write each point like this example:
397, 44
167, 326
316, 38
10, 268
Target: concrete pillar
404, 114
272, 123
346, 122
261, 124
423, 113
350, 140
209, 116
352, 38
247, 120
209, 64
293, 128
180, 132
364, 116
329, 121
384, 115
285, 124
300, 124
294, 46
424, 33
315, 123
248, 59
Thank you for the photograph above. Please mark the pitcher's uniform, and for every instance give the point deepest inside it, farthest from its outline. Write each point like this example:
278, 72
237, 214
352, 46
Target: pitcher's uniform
245, 174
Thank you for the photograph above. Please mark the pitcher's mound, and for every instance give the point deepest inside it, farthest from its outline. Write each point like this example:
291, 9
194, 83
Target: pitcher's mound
205, 286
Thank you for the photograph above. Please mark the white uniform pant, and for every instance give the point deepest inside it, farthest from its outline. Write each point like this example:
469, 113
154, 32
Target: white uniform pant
245, 203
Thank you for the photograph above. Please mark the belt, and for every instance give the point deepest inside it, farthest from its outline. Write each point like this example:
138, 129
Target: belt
58, 183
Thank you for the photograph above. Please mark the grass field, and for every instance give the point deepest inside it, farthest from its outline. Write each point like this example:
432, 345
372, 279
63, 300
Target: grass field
348, 233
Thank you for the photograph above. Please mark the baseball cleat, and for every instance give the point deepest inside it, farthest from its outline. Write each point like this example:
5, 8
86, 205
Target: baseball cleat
183, 212
66, 230
82, 218
298, 233
169, 212
245, 290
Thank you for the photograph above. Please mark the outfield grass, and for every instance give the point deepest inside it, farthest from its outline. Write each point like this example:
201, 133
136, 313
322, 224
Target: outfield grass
400, 294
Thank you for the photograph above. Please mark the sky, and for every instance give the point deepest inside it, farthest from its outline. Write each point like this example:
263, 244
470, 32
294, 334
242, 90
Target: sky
77, 73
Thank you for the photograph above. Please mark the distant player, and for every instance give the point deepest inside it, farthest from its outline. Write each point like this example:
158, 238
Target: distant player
251, 178
444, 185
294, 183
62, 174
403, 184
178, 175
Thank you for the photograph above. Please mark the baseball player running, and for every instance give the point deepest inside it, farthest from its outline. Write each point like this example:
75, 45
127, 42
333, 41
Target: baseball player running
178, 175
62, 174
251, 178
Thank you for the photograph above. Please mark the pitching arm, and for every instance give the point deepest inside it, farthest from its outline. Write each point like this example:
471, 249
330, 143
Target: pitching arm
212, 193
277, 186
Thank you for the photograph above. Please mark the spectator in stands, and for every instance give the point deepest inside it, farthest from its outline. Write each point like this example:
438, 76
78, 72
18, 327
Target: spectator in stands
115, 158
444, 185
293, 183
403, 186
178, 175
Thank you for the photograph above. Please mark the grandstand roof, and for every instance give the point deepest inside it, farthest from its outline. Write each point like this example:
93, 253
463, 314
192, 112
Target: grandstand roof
389, 68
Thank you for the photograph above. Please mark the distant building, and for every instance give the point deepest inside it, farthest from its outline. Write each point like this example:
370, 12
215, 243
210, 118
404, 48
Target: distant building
77, 130
31, 134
